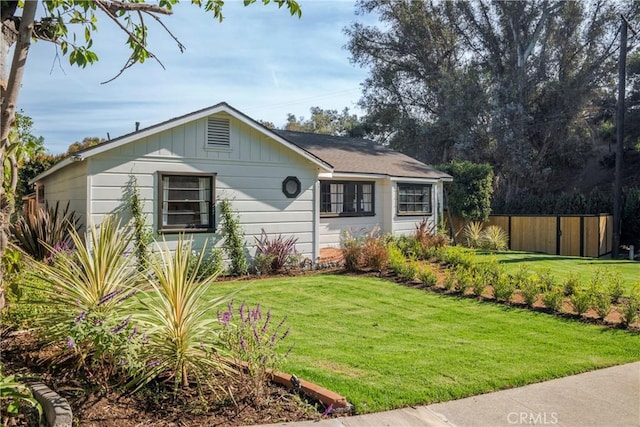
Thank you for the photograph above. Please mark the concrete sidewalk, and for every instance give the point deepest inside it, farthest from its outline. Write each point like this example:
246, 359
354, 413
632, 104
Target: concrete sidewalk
602, 398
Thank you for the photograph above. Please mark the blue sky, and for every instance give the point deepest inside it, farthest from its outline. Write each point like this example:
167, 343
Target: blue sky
260, 60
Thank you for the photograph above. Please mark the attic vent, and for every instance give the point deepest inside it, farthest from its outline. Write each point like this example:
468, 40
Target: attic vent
217, 132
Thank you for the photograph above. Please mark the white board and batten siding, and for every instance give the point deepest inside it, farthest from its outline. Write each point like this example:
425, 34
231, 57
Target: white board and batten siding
69, 186
249, 172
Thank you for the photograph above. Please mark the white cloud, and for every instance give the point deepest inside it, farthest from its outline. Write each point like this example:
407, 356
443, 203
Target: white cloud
260, 60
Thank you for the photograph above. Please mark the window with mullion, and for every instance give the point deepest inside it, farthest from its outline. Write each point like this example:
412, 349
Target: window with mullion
346, 198
186, 202
414, 199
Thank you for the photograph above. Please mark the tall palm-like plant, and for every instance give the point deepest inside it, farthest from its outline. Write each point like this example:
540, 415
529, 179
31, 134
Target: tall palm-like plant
180, 329
94, 277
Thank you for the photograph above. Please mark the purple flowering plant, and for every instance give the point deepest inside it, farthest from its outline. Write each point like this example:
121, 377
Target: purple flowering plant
106, 345
252, 338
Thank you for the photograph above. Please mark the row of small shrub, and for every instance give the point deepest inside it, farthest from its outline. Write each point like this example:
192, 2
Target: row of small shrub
464, 274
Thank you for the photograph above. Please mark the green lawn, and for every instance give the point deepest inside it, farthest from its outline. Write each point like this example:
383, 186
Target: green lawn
386, 346
562, 266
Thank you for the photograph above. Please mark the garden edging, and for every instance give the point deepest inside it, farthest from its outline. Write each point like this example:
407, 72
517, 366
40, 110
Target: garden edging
55, 407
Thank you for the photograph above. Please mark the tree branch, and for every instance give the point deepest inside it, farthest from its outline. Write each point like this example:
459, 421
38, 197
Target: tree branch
116, 6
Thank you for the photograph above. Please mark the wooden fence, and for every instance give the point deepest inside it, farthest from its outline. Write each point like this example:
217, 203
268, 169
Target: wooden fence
567, 235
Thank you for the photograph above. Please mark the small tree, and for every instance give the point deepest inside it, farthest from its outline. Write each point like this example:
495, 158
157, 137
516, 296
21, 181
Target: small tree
469, 195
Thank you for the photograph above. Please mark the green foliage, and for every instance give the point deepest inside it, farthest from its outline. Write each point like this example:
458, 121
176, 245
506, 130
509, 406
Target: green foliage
427, 276
450, 280
45, 231
601, 303
397, 258
233, 236
571, 284
253, 341
615, 288
92, 278
14, 394
469, 195
472, 233
328, 122
465, 279
581, 301
142, 236
546, 279
494, 238
26, 297
211, 263
176, 318
456, 256
107, 347
279, 252
553, 298
630, 306
529, 290
503, 287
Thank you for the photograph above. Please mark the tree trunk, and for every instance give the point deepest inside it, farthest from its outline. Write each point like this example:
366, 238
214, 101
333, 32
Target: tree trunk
7, 118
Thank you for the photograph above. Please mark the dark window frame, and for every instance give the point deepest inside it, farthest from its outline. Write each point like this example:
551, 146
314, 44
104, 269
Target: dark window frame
413, 212
181, 228
356, 190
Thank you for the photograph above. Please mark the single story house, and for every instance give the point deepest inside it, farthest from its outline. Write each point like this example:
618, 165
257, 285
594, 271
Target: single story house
291, 183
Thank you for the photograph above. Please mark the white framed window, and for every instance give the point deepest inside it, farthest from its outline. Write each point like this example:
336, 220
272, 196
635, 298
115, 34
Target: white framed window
185, 202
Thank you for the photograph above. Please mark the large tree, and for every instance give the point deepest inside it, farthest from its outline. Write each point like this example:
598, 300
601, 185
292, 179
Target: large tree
328, 122
502, 81
70, 24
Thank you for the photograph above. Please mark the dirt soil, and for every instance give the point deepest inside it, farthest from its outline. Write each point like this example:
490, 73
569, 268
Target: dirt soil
22, 353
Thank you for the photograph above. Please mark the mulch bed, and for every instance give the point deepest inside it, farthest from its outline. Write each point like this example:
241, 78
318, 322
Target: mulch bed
23, 354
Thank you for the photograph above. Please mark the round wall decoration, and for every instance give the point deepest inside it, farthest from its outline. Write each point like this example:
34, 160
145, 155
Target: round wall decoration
291, 187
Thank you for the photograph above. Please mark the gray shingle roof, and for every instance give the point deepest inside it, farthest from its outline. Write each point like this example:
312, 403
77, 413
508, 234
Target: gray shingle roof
356, 155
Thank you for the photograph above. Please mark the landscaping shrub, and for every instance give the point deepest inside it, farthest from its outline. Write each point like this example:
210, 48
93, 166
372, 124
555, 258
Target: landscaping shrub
181, 333
546, 280
571, 283
373, 252
429, 238
450, 280
91, 279
409, 246
397, 259
581, 301
410, 270
494, 238
39, 232
601, 303
211, 264
252, 341
465, 279
427, 276
106, 345
351, 250
529, 290
456, 256
503, 287
275, 253
615, 287
472, 233
553, 298
630, 306
233, 236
